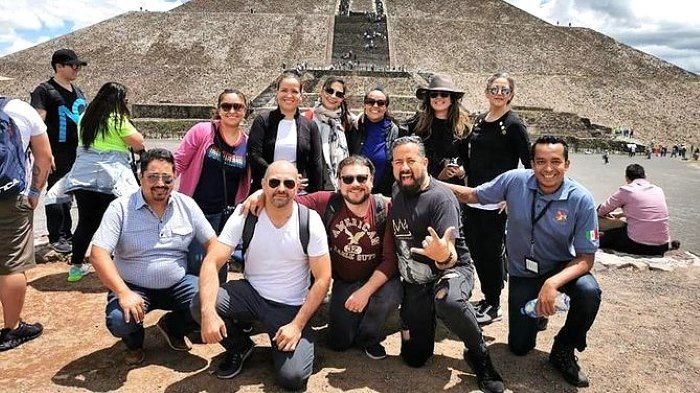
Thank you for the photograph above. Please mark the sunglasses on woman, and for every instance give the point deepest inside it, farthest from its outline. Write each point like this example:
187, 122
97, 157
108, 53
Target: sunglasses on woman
334, 93
499, 90
288, 183
372, 102
349, 179
227, 106
436, 94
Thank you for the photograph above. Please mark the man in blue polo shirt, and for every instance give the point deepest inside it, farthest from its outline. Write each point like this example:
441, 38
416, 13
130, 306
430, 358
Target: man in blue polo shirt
552, 239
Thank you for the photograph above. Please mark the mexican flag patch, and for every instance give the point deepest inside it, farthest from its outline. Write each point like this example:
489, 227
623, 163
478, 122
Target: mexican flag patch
592, 235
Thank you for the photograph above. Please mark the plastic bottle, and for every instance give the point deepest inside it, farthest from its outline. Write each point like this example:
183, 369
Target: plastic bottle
561, 304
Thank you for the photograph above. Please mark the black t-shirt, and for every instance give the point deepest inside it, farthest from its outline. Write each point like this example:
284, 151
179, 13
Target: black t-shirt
495, 147
63, 109
209, 193
441, 147
411, 215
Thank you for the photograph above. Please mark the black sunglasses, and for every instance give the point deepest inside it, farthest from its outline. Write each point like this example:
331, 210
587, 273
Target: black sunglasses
436, 94
372, 102
226, 106
288, 183
333, 92
499, 90
349, 179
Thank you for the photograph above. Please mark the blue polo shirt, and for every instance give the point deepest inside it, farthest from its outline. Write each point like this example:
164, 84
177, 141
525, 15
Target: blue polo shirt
569, 225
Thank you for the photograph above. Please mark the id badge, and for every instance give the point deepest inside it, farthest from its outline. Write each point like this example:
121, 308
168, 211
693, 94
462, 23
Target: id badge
532, 265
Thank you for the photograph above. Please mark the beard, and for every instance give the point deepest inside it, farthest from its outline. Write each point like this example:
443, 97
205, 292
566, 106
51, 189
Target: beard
354, 201
412, 188
280, 200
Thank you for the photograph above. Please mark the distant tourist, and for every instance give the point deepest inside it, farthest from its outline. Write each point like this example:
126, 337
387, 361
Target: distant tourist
498, 141
552, 240
443, 125
283, 134
372, 137
606, 158
60, 103
102, 170
140, 254
642, 227
334, 120
212, 164
16, 217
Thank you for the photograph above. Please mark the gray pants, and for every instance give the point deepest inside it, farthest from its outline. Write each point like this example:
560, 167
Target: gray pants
238, 302
363, 329
448, 299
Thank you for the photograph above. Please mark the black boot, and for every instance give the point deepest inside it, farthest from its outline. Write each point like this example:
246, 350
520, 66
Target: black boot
563, 359
489, 379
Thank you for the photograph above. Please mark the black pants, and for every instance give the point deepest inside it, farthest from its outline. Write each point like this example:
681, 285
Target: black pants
484, 231
618, 240
91, 207
58, 219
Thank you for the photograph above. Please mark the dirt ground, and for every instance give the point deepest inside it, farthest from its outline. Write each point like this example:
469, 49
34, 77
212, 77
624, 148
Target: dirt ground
646, 339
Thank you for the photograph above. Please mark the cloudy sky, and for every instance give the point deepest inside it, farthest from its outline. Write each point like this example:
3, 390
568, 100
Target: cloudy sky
669, 29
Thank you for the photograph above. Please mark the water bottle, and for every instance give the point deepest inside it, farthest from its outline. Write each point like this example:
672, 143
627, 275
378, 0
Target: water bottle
561, 304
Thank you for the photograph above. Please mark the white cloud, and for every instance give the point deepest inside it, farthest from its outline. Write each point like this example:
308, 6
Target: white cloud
668, 29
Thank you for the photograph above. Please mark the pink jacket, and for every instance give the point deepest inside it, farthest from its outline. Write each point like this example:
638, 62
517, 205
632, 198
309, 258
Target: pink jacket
189, 158
644, 205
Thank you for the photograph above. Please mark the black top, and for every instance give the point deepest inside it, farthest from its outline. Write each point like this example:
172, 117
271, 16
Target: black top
63, 109
261, 148
495, 147
221, 161
411, 215
441, 146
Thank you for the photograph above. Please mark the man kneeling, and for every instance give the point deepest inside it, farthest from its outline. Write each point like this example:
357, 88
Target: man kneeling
275, 290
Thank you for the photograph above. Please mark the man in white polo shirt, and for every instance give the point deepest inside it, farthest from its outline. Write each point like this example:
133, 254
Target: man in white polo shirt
275, 289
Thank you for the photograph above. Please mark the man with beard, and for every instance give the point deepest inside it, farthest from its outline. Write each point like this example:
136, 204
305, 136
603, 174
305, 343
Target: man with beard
552, 240
438, 275
149, 233
275, 288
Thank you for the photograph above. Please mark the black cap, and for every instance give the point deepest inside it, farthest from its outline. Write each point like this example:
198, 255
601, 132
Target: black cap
66, 56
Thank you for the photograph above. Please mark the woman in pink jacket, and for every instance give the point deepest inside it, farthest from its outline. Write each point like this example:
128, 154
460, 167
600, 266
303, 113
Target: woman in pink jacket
211, 163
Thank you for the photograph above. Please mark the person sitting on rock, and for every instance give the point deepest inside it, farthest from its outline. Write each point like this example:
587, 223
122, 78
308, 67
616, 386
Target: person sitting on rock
642, 227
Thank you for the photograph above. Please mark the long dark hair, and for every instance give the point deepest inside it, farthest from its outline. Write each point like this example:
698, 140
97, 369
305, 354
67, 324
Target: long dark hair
457, 119
110, 101
344, 113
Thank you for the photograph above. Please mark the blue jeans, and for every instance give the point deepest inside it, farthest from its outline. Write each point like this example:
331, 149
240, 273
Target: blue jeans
346, 328
176, 298
195, 253
522, 330
238, 302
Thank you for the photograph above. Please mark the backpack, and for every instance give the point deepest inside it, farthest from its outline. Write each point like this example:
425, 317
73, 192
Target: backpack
13, 159
335, 203
304, 234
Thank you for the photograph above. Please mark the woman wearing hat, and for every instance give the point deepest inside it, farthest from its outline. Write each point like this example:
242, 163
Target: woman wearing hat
372, 137
442, 124
497, 142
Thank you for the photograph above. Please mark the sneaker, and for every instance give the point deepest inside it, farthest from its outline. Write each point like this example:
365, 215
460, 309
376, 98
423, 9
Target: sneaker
480, 306
675, 245
134, 357
563, 359
62, 246
233, 362
487, 377
11, 338
77, 272
175, 342
375, 351
489, 314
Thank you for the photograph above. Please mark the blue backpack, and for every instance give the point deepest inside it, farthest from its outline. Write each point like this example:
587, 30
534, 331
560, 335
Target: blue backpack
13, 160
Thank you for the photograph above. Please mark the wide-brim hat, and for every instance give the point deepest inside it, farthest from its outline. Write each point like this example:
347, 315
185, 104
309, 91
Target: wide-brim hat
439, 82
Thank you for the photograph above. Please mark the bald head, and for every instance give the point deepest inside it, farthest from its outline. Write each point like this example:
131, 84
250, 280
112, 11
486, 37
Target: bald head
281, 167
280, 185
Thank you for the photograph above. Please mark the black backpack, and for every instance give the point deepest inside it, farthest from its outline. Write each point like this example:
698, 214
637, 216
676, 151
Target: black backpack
13, 159
335, 203
304, 234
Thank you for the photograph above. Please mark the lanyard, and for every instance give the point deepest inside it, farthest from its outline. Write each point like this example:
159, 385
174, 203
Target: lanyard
534, 220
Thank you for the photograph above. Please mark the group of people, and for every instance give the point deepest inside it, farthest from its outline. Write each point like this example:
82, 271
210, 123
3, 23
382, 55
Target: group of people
382, 214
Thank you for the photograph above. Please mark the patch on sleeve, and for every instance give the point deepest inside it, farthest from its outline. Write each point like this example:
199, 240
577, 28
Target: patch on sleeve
592, 235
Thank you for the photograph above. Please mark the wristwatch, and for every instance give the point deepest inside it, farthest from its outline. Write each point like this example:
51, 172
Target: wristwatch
448, 260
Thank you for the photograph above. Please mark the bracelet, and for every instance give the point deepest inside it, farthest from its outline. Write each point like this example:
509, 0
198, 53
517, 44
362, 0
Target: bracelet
33, 193
448, 260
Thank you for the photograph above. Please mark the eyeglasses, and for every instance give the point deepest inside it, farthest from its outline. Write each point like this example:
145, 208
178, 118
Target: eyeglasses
154, 177
288, 183
227, 106
499, 90
372, 102
436, 94
333, 92
349, 179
